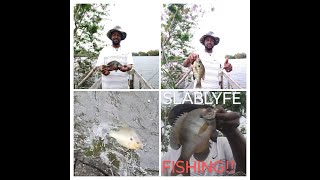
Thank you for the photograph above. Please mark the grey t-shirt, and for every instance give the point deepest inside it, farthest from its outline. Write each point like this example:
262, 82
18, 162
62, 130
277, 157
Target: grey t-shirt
219, 162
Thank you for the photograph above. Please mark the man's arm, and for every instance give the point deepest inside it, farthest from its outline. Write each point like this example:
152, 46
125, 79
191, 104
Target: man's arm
128, 66
238, 146
105, 70
227, 123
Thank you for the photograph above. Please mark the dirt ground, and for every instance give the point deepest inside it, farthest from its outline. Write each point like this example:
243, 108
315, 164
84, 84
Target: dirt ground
98, 112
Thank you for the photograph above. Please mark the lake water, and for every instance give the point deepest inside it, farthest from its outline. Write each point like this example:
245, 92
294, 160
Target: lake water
239, 72
148, 67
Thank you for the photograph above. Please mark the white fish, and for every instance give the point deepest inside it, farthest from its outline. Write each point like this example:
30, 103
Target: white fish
127, 137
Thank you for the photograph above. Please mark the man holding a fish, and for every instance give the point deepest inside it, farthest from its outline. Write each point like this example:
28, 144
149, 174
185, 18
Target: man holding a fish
114, 61
205, 68
195, 148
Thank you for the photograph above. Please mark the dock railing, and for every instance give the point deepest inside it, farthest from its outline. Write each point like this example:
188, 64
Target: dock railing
135, 80
231, 84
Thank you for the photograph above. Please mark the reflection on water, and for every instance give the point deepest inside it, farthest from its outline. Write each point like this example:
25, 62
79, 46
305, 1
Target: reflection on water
96, 114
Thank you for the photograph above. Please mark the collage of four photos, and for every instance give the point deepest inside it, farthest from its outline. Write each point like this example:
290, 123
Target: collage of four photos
160, 89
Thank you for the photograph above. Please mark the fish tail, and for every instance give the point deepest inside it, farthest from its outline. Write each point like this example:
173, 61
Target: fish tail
111, 134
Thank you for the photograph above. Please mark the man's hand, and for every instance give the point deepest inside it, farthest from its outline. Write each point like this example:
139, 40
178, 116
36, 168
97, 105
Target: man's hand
227, 120
191, 58
105, 70
227, 123
227, 65
125, 68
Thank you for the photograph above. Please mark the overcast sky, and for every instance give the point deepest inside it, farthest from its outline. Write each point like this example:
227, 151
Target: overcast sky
141, 20
230, 21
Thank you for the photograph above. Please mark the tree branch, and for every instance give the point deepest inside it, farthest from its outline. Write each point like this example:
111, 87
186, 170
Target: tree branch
172, 22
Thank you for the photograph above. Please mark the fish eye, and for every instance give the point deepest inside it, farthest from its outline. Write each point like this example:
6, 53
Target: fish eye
209, 109
131, 139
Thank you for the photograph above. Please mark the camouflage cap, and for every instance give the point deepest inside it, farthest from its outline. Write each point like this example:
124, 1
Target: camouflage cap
117, 28
210, 33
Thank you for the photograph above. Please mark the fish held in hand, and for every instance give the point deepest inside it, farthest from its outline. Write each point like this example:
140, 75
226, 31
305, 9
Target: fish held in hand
192, 131
179, 109
198, 71
127, 137
114, 65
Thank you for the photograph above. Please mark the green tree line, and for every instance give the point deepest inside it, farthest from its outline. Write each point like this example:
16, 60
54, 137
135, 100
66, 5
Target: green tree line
178, 24
148, 53
237, 56
87, 28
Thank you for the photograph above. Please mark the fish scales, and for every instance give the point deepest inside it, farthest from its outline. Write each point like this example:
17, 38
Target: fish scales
114, 65
193, 131
198, 71
127, 137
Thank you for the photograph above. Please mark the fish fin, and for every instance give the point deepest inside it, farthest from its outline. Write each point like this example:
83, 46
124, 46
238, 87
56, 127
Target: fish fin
125, 128
202, 155
187, 150
179, 109
174, 139
179, 120
198, 85
112, 133
204, 73
175, 132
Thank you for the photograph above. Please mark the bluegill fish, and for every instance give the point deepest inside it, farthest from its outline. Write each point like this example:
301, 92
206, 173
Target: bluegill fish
114, 65
182, 108
193, 130
179, 109
198, 71
127, 137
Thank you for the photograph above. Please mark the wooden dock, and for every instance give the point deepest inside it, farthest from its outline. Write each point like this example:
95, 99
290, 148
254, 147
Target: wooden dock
231, 84
135, 81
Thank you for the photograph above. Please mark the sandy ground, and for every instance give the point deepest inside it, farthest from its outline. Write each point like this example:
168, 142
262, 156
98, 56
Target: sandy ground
98, 112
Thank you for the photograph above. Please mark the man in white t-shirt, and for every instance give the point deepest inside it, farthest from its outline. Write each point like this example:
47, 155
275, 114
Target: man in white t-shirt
115, 78
227, 155
212, 66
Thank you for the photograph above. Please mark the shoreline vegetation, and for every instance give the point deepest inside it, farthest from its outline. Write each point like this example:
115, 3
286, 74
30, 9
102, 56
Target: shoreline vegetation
237, 56
148, 53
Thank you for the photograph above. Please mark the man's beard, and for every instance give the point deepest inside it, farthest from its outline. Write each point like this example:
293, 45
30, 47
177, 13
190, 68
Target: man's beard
115, 42
208, 48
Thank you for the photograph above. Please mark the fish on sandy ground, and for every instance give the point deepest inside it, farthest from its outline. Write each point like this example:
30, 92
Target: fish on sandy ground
114, 65
127, 137
198, 71
192, 131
